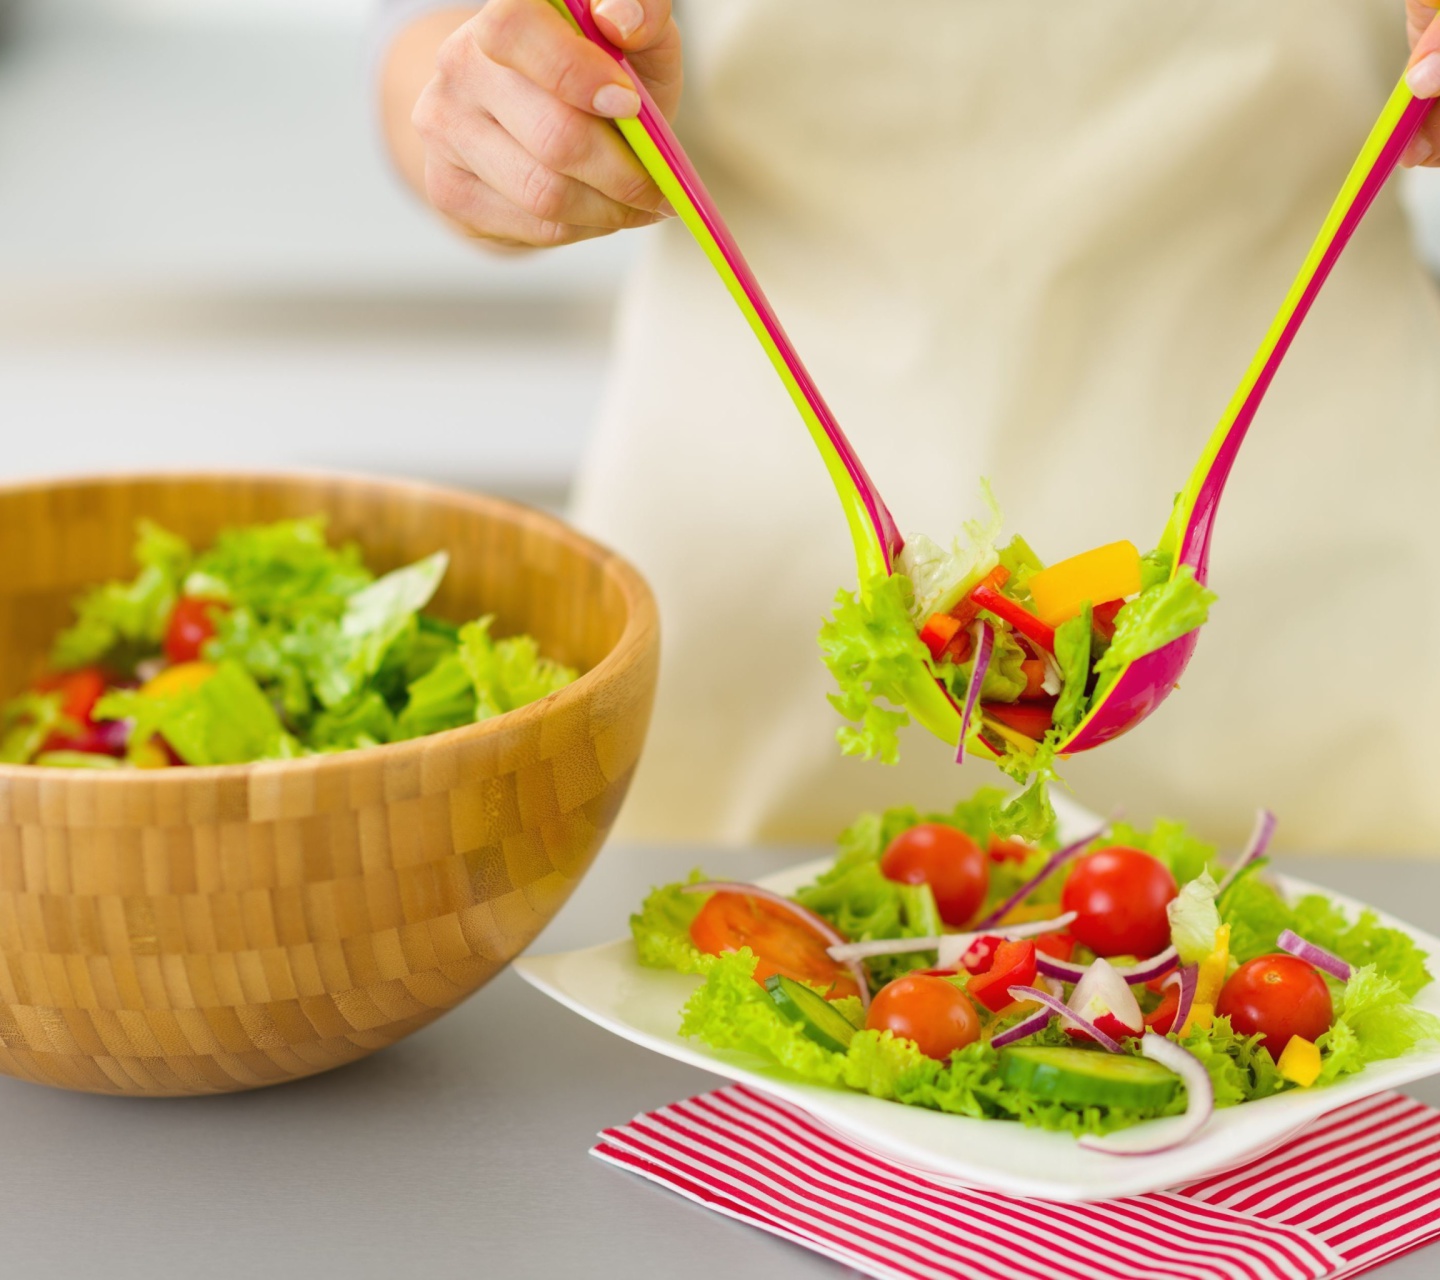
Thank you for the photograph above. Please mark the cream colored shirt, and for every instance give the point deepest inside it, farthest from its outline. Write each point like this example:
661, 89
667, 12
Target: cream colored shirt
1038, 245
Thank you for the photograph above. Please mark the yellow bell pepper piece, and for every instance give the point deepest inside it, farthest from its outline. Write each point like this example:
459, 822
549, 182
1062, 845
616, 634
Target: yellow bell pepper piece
1215, 968
178, 679
1213, 971
148, 755
1300, 1062
1201, 1015
1093, 577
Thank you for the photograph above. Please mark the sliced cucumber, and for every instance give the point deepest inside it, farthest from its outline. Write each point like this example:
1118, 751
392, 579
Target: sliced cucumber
818, 1018
1087, 1077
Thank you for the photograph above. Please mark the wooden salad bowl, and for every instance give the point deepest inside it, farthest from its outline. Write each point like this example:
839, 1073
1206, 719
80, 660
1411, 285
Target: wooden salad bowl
190, 931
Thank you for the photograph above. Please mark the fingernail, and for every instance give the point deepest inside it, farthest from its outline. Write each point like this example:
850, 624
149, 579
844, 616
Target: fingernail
1424, 77
617, 102
626, 16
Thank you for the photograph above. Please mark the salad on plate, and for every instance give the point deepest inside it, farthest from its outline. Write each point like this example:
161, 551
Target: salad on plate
269, 644
969, 963
1023, 650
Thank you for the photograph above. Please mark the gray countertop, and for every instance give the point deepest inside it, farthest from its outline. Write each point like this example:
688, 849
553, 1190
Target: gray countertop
460, 1152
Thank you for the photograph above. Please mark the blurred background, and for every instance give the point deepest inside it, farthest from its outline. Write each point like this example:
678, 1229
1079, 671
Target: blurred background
204, 259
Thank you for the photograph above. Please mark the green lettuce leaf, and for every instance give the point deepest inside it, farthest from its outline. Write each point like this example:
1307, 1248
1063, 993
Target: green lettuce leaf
1022, 564
1072, 656
225, 720
1159, 614
1194, 918
1258, 915
120, 622
872, 649
509, 673
1155, 567
1374, 1020
940, 576
26, 721
1170, 842
285, 570
661, 929
1004, 680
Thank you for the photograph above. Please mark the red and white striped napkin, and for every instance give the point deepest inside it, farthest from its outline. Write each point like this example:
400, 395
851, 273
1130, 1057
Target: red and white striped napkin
1360, 1187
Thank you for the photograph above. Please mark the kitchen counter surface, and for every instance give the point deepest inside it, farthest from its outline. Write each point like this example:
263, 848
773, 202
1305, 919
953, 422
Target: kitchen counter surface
461, 1152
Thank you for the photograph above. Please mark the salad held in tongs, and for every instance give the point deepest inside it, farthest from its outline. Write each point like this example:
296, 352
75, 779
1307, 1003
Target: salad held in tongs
1022, 650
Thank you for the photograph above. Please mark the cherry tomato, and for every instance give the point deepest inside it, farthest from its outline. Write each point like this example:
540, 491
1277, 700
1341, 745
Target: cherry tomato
931, 1011
79, 691
949, 861
1013, 966
781, 942
1120, 896
1278, 996
192, 623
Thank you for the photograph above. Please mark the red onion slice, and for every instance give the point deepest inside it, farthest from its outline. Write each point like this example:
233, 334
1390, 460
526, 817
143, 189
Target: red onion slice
1145, 971
1028, 1026
1055, 861
1056, 1005
1199, 1105
817, 924
1189, 980
1259, 841
984, 648
951, 946
1307, 951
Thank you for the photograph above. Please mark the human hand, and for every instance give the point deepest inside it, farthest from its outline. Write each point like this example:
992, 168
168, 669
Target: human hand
1423, 78
515, 124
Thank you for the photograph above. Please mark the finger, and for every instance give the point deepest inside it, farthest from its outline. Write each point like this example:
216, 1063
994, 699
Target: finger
529, 37
1418, 15
1422, 76
500, 162
571, 142
632, 24
483, 213
1424, 148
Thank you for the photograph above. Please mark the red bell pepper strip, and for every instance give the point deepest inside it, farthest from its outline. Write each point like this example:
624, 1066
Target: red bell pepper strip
938, 632
1033, 719
1008, 849
1013, 966
79, 691
1103, 617
1019, 617
1162, 1017
980, 954
964, 613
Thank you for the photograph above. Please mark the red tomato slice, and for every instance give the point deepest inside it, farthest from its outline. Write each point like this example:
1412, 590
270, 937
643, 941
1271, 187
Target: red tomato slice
192, 623
781, 942
80, 690
1013, 966
1034, 672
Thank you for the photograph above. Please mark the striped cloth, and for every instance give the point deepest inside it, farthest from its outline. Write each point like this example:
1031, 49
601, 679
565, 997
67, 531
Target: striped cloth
1360, 1187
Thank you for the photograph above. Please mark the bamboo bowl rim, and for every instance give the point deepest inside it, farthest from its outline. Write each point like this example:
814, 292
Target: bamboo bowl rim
641, 617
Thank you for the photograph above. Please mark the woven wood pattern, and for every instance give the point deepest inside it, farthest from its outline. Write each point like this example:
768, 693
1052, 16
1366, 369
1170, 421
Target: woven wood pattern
191, 931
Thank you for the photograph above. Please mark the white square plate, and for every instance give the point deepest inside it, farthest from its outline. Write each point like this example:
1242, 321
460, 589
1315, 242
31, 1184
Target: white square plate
608, 985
